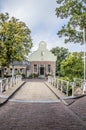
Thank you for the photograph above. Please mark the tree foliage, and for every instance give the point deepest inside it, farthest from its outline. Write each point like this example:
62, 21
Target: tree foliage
73, 66
75, 12
15, 40
61, 54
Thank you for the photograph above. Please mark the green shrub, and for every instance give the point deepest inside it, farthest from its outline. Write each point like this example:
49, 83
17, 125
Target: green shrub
33, 75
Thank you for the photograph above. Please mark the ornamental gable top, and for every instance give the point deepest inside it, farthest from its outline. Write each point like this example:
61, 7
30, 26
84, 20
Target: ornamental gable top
42, 54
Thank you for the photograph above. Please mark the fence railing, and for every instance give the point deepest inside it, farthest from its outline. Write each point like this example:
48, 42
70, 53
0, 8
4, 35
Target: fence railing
7, 83
75, 88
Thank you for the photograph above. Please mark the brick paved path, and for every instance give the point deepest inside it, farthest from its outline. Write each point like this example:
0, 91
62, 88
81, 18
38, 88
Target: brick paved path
35, 91
38, 116
43, 116
79, 108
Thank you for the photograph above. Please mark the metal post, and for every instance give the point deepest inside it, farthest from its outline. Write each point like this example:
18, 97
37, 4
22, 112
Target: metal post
84, 54
84, 41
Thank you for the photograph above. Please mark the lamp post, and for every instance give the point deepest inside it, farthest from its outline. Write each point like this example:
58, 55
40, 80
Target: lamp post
84, 41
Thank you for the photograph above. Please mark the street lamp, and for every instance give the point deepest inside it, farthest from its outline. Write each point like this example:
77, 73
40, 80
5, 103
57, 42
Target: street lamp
84, 41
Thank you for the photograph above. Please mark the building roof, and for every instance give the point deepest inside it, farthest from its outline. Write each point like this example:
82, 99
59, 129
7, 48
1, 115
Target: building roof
42, 54
22, 63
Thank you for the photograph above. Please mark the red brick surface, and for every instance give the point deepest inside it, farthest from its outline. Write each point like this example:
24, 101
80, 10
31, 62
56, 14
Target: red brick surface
43, 116
79, 108
45, 63
39, 116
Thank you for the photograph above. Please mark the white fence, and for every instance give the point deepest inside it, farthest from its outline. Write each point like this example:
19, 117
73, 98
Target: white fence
75, 88
7, 83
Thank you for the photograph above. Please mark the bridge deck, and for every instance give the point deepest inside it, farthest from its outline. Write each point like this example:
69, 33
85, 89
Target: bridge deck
35, 91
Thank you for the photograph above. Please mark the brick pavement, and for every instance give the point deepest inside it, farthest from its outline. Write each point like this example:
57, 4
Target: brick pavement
43, 116
35, 91
79, 108
38, 116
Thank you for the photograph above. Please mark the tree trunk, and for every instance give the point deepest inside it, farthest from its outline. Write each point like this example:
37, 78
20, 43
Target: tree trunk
2, 72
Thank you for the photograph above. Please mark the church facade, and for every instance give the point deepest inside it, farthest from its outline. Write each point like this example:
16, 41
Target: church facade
42, 62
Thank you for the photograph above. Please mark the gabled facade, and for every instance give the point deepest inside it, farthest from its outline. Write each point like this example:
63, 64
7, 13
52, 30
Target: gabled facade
42, 61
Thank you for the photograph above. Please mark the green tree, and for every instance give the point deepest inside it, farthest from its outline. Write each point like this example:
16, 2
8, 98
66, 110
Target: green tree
75, 13
15, 40
61, 54
72, 66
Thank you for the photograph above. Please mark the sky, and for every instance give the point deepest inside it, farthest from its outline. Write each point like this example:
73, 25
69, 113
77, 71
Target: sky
39, 16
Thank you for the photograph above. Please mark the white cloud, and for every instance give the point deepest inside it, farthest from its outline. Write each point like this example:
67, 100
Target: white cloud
40, 17
54, 42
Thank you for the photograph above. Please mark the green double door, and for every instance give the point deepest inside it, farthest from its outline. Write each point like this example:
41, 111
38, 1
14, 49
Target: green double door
41, 70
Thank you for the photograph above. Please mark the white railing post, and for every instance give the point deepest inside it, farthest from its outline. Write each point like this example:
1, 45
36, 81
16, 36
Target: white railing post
18, 79
11, 83
61, 85
73, 85
84, 87
6, 84
48, 79
57, 84
1, 90
67, 88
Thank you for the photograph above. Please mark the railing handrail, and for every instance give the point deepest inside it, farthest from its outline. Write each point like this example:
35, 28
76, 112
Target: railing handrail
6, 83
65, 85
